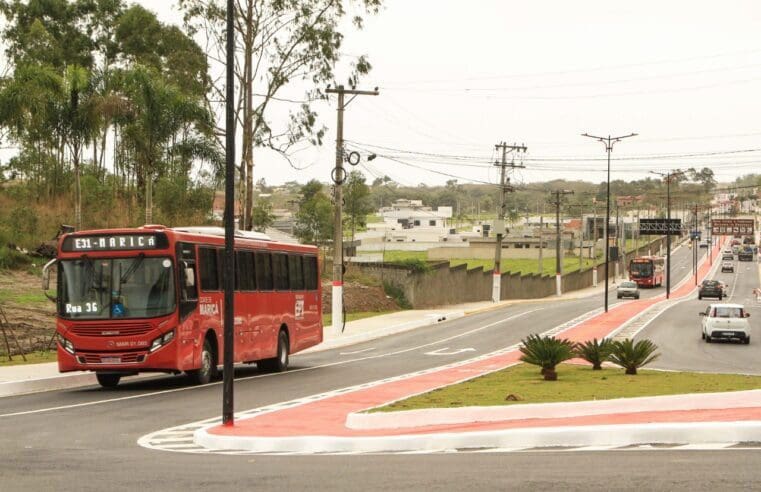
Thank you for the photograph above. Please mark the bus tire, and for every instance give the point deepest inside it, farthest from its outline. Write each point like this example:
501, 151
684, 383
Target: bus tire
208, 368
279, 363
108, 380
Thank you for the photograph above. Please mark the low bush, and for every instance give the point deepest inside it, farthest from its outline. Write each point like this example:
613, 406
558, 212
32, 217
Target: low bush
397, 293
595, 352
632, 356
546, 352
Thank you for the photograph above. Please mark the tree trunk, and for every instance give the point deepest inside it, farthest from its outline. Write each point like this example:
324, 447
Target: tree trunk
550, 375
148, 197
248, 120
596, 366
77, 190
631, 371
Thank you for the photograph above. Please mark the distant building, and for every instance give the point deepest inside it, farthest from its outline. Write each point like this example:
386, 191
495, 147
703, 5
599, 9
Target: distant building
629, 200
409, 214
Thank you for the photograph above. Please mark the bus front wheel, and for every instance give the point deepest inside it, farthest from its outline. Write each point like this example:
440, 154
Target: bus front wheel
205, 374
108, 380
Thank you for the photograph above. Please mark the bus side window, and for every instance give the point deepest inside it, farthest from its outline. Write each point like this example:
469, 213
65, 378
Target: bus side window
209, 269
186, 256
295, 272
263, 269
280, 271
310, 272
244, 272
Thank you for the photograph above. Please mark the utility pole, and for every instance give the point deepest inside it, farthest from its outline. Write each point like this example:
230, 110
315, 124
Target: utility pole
499, 224
594, 246
608, 142
558, 263
668, 177
695, 247
541, 243
339, 175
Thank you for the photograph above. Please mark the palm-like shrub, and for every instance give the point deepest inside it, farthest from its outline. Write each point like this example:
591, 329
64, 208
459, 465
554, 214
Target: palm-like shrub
546, 352
595, 352
631, 356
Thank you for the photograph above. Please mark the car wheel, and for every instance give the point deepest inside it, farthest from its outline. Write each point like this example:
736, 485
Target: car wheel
708, 339
703, 335
637, 296
720, 296
700, 297
747, 340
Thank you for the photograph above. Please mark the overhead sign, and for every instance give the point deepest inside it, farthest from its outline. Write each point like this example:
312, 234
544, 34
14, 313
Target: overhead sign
727, 227
660, 226
114, 242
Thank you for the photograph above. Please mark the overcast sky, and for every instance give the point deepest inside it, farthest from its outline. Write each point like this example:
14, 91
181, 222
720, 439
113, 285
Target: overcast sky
458, 77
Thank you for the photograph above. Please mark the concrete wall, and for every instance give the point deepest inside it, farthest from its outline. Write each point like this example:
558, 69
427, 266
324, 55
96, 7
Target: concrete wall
444, 285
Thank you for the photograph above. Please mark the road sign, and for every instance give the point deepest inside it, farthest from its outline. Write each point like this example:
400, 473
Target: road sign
671, 227
728, 227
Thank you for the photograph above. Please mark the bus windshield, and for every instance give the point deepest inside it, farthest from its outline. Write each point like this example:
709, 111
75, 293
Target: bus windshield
137, 287
641, 269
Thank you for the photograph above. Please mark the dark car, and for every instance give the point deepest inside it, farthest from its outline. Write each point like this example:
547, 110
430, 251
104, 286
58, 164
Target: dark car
746, 254
710, 288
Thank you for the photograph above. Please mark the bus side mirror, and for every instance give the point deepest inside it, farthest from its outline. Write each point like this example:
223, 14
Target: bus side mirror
46, 280
190, 279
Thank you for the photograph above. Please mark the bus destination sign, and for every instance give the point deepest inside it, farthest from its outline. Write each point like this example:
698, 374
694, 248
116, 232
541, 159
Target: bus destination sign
114, 242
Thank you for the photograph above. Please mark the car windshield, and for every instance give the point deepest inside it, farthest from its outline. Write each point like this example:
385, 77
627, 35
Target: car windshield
728, 312
641, 269
628, 285
710, 283
137, 287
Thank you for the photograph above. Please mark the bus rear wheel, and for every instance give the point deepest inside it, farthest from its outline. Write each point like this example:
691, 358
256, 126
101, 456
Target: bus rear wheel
208, 369
279, 363
108, 380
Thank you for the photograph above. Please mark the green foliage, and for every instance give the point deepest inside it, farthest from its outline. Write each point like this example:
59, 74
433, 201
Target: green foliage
396, 293
314, 219
357, 204
415, 265
632, 356
262, 216
12, 259
594, 351
546, 352
181, 202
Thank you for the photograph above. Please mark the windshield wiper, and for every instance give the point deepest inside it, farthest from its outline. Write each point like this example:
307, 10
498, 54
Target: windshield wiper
132, 268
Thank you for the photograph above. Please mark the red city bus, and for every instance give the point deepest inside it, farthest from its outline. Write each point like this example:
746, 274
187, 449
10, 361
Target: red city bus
151, 300
647, 271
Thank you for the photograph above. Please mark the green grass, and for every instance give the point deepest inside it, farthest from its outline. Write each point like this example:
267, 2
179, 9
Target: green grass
575, 383
327, 319
526, 265
392, 256
373, 219
31, 358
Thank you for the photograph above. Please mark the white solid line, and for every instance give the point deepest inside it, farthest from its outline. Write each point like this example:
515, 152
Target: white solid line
356, 351
331, 364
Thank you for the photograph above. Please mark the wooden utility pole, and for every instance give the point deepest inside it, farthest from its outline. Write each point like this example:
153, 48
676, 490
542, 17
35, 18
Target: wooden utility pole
499, 224
339, 175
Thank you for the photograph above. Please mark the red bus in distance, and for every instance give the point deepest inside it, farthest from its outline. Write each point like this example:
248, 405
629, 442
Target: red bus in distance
647, 271
151, 300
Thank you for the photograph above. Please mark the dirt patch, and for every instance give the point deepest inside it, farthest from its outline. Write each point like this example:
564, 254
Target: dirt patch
359, 298
30, 315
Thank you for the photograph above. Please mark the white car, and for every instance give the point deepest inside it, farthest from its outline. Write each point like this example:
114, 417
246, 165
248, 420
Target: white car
725, 322
727, 266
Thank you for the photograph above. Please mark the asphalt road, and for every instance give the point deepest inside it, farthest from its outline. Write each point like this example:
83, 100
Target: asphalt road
85, 439
677, 330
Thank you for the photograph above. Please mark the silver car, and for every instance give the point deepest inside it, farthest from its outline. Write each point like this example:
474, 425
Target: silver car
627, 289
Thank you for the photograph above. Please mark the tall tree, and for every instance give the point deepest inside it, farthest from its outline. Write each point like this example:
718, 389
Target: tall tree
157, 112
357, 204
281, 42
314, 218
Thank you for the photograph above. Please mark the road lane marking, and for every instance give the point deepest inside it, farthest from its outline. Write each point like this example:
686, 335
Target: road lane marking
357, 351
442, 351
258, 376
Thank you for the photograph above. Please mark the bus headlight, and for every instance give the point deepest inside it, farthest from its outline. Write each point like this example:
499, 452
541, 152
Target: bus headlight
66, 344
159, 342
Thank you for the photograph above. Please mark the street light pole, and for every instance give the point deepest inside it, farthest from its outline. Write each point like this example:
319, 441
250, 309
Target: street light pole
608, 142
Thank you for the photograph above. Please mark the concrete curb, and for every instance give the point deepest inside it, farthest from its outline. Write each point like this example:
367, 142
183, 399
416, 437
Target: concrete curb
506, 413
12, 388
577, 436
